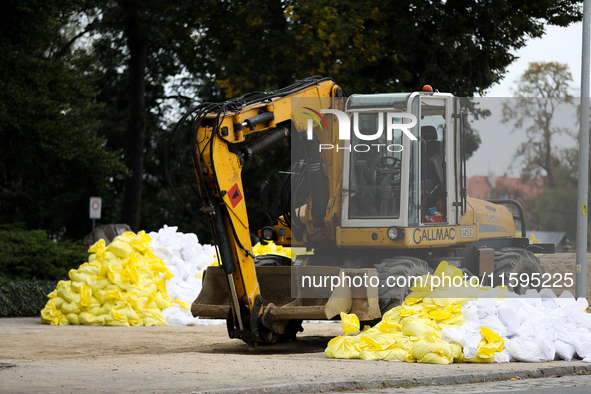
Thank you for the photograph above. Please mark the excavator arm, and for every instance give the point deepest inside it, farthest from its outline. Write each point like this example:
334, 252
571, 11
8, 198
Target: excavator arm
217, 127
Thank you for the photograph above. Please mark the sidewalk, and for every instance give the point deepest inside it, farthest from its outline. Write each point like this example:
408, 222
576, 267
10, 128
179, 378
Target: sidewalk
202, 359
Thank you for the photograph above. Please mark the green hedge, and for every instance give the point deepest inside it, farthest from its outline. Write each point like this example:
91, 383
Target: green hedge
30, 254
25, 297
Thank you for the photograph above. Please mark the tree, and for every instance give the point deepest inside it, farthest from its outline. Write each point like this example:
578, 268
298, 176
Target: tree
51, 158
541, 90
141, 46
369, 46
557, 207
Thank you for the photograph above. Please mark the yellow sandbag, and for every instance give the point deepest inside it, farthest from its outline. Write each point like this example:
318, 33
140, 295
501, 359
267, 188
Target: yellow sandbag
67, 294
102, 309
440, 315
130, 274
126, 310
109, 257
95, 310
89, 269
432, 350
120, 317
77, 276
96, 283
85, 296
142, 291
73, 319
76, 286
152, 317
389, 325
50, 314
88, 319
490, 344
58, 301
161, 301
183, 304
107, 295
129, 298
445, 270
480, 360
140, 241
457, 352
158, 266
70, 307
350, 323
343, 346
398, 354
92, 302
120, 248
271, 248
367, 343
141, 304
100, 320
418, 328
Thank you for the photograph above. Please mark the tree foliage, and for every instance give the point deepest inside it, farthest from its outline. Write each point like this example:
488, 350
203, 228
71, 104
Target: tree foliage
541, 91
51, 157
557, 207
371, 45
139, 48
88, 84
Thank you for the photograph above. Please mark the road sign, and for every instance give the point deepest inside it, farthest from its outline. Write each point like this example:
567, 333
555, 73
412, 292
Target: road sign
95, 207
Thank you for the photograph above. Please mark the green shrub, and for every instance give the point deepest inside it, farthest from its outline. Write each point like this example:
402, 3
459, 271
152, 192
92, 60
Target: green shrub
30, 254
24, 298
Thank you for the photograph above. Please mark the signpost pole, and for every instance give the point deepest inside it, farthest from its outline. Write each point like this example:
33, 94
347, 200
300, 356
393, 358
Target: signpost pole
583, 185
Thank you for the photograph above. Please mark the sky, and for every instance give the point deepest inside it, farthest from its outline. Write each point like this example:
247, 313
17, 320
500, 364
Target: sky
499, 144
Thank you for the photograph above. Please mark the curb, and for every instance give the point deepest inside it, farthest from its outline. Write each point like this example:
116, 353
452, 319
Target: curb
386, 382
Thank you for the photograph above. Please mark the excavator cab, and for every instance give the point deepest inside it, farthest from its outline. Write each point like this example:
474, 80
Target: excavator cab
395, 180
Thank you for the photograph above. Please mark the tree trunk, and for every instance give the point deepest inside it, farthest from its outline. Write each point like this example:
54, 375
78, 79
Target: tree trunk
548, 159
134, 152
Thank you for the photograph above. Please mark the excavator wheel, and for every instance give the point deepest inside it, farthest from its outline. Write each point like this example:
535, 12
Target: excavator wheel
516, 261
389, 270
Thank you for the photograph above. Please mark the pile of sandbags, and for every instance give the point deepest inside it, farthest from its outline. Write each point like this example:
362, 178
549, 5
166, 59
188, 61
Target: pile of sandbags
143, 279
122, 284
186, 259
269, 247
471, 324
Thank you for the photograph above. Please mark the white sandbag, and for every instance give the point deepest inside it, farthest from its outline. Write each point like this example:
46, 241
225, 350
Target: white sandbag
185, 258
564, 351
527, 349
177, 316
493, 322
505, 355
581, 340
486, 307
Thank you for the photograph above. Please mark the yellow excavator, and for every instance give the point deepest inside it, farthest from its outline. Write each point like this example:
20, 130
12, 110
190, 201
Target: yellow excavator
376, 194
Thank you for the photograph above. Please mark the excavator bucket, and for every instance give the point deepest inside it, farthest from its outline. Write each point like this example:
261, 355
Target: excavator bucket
289, 293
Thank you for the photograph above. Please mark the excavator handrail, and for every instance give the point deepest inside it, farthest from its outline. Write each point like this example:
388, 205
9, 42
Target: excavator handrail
521, 216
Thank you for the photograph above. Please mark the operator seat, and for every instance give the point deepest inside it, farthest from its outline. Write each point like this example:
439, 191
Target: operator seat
432, 153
